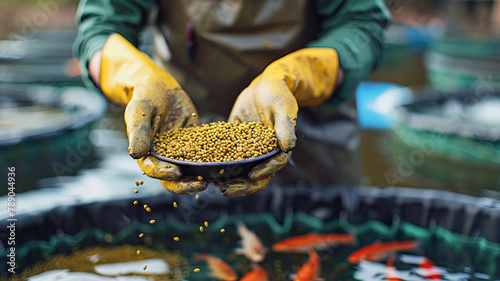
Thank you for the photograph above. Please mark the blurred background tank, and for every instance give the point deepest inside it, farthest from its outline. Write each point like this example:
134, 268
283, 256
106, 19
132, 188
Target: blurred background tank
456, 53
36, 39
457, 64
45, 131
48, 117
46, 58
454, 141
467, 57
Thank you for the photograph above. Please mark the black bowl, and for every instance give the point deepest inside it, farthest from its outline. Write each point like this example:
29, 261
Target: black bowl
212, 170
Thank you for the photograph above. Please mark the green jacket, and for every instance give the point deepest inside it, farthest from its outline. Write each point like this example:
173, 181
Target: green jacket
354, 28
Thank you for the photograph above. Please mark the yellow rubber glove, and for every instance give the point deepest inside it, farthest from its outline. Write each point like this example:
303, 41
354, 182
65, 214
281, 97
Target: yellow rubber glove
154, 102
306, 77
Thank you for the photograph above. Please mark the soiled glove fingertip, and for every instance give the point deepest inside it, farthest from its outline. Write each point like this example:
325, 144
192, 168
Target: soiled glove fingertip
286, 141
243, 187
160, 170
185, 187
227, 192
138, 152
173, 174
257, 175
197, 186
288, 147
269, 167
170, 174
134, 154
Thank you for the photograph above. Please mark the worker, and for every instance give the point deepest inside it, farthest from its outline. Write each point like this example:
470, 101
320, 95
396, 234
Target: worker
251, 60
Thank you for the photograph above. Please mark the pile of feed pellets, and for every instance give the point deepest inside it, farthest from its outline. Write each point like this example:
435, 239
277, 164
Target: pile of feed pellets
216, 142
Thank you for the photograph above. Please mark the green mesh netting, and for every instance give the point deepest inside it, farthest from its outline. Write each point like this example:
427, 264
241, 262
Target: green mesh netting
461, 64
453, 251
468, 47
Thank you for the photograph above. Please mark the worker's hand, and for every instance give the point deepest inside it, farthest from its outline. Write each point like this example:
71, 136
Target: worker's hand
154, 103
303, 78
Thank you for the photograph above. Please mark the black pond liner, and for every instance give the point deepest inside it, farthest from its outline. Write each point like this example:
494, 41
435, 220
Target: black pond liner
463, 223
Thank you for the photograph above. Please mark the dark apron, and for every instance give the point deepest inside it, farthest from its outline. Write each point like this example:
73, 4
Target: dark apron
219, 46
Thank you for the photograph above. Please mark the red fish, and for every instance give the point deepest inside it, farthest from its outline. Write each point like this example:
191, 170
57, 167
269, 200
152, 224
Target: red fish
378, 251
313, 241
257, 274
426, 268
429, 270
310, 271
220, 269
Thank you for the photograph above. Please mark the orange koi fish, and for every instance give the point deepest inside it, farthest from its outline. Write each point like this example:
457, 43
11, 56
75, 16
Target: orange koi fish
313, 241
257, 274
378, 251
310, 270
220, 269
251, 245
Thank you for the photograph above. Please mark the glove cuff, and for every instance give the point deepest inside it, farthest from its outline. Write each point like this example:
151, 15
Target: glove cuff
123, 67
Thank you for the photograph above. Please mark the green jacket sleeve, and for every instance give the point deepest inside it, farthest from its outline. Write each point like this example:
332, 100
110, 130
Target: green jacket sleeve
97, 19
355, 29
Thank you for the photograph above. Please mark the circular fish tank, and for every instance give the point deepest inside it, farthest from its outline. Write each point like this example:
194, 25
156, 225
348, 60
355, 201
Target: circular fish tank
457, 64
454, 140
92, 235
42, 57
44, 130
